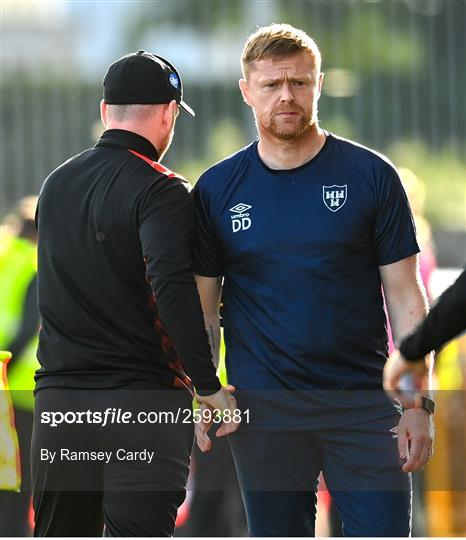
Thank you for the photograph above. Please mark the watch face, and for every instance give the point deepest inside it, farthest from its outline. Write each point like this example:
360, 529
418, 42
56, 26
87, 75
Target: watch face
428, 404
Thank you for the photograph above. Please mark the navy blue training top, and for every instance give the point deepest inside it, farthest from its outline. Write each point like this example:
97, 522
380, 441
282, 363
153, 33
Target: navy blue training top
299, 250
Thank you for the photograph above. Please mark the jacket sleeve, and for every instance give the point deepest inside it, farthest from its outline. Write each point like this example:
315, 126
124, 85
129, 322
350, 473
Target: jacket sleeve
166, 229
446, 320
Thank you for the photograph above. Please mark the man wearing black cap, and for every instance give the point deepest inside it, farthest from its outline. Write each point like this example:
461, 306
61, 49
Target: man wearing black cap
123, 343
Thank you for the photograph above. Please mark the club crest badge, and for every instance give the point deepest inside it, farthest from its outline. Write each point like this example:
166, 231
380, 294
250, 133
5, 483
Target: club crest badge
174, 81
334, 197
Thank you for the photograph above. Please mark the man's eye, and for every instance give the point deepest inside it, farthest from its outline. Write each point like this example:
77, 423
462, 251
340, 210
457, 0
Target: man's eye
298, 83
271, 85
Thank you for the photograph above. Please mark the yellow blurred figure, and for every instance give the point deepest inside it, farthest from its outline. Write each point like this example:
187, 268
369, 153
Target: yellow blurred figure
10, 477
19, 325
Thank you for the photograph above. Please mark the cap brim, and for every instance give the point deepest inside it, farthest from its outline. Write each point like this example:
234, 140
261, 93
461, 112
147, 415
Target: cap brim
187, 108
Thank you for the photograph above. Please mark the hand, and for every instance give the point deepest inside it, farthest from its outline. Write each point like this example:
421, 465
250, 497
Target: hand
395, 368
415, 438
222, 401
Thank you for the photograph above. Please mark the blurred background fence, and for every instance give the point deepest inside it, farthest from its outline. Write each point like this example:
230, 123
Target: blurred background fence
395, 80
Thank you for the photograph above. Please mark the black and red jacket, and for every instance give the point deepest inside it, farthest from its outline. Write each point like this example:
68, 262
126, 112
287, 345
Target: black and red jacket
446, 320
117, 296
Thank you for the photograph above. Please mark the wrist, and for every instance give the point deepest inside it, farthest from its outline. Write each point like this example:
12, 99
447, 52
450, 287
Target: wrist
208, 390
423, 402
410, 351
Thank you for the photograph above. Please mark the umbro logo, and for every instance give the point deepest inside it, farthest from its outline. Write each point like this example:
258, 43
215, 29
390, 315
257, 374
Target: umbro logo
394, 432
240, 208
240, 220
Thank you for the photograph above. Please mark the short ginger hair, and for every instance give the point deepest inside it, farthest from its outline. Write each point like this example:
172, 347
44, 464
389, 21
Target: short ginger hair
278, 40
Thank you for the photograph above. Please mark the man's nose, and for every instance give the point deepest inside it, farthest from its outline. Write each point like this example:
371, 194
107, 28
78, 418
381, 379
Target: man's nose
286, 94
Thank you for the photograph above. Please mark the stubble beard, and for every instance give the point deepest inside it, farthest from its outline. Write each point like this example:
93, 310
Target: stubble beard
165, 143
302, 127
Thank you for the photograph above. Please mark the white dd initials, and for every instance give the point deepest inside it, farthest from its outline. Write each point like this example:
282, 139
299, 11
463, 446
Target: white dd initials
240, 224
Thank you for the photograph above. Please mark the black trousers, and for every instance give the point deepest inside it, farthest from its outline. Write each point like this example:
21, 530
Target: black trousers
125, 478
216, 507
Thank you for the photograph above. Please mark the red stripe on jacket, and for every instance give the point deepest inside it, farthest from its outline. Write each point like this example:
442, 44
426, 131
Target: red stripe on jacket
155, 165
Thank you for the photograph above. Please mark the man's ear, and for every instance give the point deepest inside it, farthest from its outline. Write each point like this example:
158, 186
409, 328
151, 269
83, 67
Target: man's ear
243, 86
174, 108
103, 112
321, 81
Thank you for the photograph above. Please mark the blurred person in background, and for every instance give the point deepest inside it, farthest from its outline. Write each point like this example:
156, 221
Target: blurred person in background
305, 228
416, 193
19, 325
122, 325
215, 508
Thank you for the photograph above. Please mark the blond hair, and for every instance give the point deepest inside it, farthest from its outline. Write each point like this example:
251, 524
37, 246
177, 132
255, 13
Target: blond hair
278, 40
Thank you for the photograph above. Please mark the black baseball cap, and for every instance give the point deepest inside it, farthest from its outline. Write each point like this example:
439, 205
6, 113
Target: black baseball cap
143, 78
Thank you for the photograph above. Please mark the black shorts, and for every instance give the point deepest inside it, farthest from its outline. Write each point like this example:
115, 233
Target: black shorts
129, 474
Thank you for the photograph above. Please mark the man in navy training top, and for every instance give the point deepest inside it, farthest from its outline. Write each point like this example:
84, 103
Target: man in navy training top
304, 229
